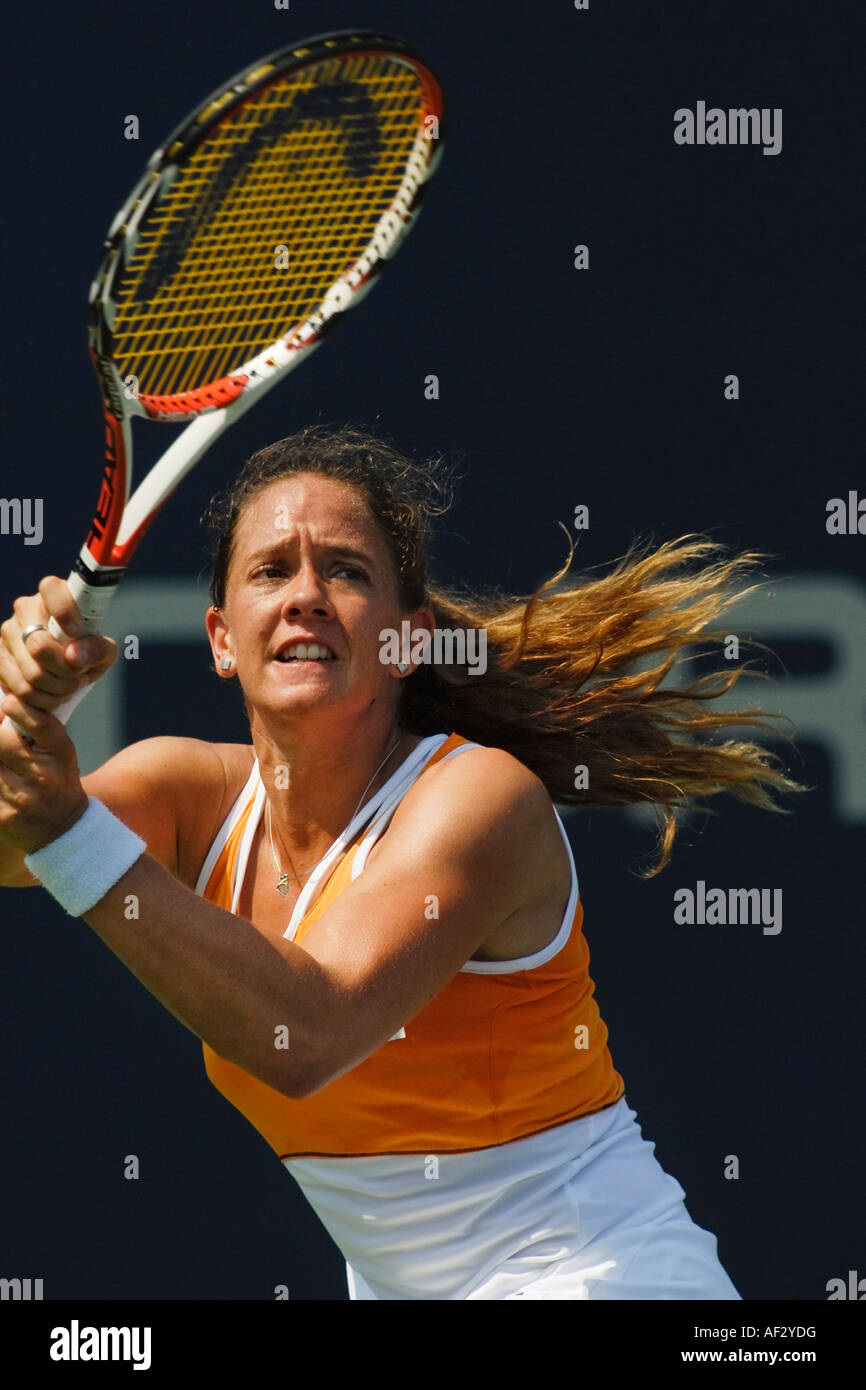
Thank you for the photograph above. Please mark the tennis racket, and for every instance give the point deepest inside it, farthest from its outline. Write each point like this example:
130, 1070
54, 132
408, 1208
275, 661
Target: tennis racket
267, 214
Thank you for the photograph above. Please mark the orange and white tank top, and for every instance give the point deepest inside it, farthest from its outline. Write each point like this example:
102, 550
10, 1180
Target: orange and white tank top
491, 1079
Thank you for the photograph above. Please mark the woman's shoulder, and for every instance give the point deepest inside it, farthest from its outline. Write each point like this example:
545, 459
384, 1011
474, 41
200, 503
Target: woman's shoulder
460, 759
485, 789
485, 815
175, 793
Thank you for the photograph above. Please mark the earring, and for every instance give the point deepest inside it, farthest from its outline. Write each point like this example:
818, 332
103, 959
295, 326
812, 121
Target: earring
225, 664
402, 667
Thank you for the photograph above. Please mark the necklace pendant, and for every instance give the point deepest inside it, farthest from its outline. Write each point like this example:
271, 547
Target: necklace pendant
283, 885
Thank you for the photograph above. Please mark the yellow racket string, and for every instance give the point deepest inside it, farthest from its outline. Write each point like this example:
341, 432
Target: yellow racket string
308, 164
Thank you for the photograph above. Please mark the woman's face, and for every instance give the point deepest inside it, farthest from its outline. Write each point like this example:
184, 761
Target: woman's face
310, 564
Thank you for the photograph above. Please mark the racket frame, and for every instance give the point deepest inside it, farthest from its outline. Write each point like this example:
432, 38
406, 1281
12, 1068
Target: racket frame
120, 520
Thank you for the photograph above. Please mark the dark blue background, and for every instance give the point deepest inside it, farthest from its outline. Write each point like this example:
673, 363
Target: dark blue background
557, 387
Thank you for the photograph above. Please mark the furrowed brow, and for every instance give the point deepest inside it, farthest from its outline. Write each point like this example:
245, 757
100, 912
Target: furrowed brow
338, 550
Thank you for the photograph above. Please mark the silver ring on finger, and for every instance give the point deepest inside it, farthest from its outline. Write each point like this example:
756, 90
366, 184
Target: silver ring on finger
34, 627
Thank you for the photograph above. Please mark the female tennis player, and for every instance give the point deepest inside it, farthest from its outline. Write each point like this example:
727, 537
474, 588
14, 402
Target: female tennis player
370, 913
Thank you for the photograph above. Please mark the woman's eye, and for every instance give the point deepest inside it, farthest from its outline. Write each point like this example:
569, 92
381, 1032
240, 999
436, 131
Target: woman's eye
352, 571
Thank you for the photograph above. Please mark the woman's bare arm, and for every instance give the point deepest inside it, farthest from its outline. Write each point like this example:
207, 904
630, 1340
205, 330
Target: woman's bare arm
373, 959
168, 790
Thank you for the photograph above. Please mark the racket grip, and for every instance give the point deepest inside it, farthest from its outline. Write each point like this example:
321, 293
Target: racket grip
92, 602
62, 712
65, 711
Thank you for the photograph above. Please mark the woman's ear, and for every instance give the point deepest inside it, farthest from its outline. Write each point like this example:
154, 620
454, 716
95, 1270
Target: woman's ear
425, 618
220, 641
417, 626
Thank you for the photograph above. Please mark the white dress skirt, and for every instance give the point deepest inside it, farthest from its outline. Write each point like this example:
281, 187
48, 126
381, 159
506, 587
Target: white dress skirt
581, 1211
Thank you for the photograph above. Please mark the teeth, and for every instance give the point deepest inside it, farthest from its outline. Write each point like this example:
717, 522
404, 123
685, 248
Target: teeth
307, 651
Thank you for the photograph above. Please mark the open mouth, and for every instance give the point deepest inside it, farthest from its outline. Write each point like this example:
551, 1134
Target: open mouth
306, 651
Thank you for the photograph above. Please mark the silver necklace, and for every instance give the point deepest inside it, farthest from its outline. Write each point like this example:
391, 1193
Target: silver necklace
284, 879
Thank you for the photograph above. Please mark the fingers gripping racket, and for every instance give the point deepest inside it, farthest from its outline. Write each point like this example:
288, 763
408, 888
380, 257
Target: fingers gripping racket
265, 216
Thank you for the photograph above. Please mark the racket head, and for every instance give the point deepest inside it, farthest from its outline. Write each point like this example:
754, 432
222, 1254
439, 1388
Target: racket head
256, 206
265, 215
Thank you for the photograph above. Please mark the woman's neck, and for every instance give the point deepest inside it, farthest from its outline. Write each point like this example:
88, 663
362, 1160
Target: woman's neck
315, 783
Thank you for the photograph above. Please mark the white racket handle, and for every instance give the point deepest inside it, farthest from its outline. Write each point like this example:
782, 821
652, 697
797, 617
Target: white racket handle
92, 602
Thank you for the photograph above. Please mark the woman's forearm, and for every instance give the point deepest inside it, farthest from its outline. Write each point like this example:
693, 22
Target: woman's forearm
236, 988
219, 975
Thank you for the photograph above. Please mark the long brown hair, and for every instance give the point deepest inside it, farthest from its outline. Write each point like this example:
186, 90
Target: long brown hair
570, 682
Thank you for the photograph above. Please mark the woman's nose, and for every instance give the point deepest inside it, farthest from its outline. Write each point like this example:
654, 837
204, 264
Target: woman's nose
307, 593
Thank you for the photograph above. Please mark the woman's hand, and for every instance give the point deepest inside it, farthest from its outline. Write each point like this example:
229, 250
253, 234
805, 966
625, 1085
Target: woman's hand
42, 671
41, 796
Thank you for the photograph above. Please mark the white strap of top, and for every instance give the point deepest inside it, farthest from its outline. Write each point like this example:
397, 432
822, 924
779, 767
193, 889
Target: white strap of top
390, 794
383, 819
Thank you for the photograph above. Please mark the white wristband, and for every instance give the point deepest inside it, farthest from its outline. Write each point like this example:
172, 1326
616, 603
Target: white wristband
79, 868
